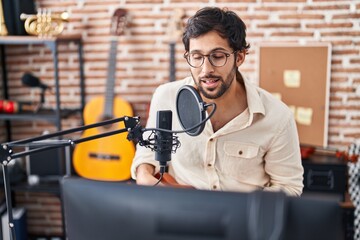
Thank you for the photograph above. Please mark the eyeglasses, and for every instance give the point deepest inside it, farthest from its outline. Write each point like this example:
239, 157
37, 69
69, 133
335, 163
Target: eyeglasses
216, 58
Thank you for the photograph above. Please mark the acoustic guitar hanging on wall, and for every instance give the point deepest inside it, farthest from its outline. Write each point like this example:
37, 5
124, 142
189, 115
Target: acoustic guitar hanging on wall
174, 32
109, 158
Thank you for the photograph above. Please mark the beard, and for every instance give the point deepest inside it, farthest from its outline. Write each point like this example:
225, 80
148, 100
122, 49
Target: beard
214, 93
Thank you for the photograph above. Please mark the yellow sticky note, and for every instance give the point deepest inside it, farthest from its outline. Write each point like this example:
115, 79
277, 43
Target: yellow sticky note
292, 78
304, 115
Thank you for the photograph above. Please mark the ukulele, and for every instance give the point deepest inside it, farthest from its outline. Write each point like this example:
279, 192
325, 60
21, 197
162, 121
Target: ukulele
174, 31
109, 158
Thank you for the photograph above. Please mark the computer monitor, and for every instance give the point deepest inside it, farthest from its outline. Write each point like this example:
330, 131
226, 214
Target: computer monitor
96, 210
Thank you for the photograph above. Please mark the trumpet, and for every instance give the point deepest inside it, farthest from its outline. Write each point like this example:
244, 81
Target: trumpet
44, 23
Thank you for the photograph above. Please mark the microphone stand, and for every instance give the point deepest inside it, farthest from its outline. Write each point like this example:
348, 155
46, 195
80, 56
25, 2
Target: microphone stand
42, 99
132, 125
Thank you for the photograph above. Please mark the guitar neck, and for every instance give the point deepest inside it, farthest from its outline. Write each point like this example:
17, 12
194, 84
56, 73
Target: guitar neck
172, 76
110, 84
175, 28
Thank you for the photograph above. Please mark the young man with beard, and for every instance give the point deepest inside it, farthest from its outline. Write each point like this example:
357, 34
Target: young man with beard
251, 141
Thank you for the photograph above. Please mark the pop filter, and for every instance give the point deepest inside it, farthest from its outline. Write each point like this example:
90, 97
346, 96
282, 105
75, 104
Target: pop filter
190, 109
191, 112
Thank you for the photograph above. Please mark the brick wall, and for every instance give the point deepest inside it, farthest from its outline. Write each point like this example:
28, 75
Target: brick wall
143, 53
43, 211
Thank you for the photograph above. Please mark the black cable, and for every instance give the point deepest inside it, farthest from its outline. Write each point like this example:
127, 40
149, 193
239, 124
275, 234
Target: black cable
160, 178
188, 129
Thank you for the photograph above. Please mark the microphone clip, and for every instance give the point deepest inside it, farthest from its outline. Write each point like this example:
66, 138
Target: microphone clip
171, 144
135, 134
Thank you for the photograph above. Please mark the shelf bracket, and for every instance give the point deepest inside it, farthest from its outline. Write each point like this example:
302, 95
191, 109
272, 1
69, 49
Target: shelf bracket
5, 154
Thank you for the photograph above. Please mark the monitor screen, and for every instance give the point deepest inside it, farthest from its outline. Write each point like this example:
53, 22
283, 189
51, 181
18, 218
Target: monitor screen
96, 210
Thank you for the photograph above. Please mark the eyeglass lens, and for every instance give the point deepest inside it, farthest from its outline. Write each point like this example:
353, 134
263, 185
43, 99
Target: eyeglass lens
217, 59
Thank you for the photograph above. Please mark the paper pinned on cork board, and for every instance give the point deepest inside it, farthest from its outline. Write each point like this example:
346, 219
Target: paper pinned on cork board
292, 78
304, 115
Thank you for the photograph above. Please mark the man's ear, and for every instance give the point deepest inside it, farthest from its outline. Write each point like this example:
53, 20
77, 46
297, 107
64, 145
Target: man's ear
240, 58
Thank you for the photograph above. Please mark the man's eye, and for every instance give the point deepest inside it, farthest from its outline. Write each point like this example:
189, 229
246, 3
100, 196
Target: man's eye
217, 55
197, 56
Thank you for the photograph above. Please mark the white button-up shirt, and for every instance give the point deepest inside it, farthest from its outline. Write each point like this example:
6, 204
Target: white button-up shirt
258, 149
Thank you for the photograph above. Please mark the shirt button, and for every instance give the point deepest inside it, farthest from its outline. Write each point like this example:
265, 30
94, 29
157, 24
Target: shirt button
240, 152
214, 187
209, 165
211, 139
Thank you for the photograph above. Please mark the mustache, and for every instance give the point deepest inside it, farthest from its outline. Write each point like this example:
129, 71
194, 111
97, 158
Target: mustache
209, 76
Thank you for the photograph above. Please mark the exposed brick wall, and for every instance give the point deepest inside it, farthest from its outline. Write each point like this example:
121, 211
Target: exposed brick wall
143, 53
43, 210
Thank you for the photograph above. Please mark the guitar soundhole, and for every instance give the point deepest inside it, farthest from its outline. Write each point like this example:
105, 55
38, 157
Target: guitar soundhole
105, 118
105, 157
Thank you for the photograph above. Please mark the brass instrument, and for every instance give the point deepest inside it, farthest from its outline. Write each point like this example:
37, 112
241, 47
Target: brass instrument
3, 29
44, 23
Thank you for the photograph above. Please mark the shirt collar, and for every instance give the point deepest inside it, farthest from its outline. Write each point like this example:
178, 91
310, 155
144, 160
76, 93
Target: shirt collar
254, 102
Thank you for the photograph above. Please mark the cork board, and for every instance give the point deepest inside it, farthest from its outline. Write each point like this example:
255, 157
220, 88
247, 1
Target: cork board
299, 75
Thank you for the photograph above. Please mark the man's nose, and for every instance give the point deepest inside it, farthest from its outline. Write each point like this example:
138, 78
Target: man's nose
207, 66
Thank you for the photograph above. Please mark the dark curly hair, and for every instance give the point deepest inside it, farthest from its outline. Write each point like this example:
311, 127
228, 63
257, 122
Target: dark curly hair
227, 23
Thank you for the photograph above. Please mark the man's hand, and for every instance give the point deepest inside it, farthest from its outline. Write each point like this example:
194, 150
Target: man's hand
145, 175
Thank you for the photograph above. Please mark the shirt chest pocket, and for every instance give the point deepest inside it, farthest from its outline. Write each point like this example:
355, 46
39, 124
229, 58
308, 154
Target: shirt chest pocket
240, 158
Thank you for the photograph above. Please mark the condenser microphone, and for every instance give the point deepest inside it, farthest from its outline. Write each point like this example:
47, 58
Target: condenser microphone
191, 112
163, 140
31, 81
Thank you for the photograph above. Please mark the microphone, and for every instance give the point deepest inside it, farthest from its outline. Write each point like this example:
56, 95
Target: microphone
163, 140
31, 81
191, 112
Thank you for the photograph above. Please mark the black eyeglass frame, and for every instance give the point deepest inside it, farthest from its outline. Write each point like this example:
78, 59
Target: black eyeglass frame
227, 55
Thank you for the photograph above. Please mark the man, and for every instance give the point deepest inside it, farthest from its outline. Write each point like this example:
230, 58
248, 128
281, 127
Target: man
250, 142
